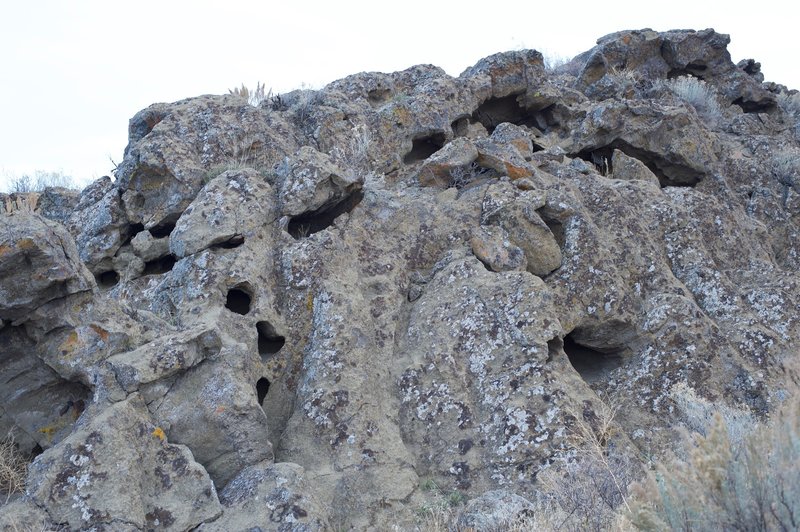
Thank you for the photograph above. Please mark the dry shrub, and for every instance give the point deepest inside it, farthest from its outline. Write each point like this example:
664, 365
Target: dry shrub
722, 485
590, 490
13, 468
698, 94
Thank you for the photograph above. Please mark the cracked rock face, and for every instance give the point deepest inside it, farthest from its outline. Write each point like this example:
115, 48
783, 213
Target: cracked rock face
293, 316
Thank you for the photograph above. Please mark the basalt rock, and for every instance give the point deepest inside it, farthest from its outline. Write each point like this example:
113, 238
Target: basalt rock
323, 305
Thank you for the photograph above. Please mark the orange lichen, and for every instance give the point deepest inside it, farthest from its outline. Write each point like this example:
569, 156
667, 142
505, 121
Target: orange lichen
102, 333
50, 430
158, 432
69, 345
517, 172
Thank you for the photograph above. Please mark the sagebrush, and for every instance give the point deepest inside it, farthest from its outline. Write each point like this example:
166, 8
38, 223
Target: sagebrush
722, 485
698, 94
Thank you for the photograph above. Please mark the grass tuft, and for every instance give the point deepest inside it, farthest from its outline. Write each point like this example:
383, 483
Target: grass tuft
13, 468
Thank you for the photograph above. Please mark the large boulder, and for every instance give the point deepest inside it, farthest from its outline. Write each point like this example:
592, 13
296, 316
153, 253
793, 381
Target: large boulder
38, 263
118, 469
341, 306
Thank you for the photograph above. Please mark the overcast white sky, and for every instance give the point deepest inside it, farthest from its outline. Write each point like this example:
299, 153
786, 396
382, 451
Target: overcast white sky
73, 72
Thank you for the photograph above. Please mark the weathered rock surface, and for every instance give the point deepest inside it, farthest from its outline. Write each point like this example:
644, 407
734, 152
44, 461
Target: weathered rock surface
38, 263
119, 470
320, 304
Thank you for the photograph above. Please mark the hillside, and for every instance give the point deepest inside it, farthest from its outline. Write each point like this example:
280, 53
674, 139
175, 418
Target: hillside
332, 309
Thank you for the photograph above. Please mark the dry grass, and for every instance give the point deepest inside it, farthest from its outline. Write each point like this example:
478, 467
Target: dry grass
255, 96
590, 490
13, 468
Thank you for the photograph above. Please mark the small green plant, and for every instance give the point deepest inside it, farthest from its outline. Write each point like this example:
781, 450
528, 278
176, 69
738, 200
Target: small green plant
429, 485
456, 498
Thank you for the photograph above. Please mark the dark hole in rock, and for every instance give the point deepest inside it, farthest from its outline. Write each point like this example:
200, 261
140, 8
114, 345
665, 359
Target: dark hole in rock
554, 347
233, 242
238, 301
163, 229
555, 226
754, 107
159, 265
460, 126
592, 364
669, 174
107, 279
694, 69
378, 96
133, 230
36, 451
600, 158
307, 224
262, 388
269, 341
495, 111
424, 147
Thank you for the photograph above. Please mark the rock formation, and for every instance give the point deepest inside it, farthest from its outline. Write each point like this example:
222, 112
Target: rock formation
293, 315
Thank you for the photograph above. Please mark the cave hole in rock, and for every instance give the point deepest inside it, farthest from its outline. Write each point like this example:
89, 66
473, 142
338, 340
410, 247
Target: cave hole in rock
238, 300
424, 147
262, 389
107, 279
233, 242
600, 158
495, 111
753, 107
132, 231
591, 363
163, 229
269, 341
308, 223
694, 69
668, 174
159, 265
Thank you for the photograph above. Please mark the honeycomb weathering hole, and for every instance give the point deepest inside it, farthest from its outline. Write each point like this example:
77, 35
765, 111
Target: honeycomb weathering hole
269, 341
424, 147
162, 229
107, 279
238, 301
262, 388
592, 365
495, 111
159, 265
309, 223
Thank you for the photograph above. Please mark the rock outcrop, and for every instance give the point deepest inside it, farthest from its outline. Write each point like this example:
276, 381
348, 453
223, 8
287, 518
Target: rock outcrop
292, 316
